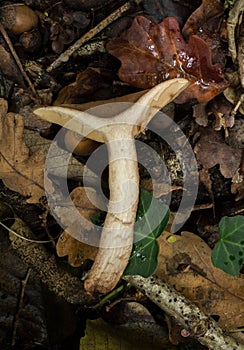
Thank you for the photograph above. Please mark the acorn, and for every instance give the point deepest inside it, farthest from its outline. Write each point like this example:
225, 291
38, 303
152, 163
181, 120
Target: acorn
79, 145
18, 18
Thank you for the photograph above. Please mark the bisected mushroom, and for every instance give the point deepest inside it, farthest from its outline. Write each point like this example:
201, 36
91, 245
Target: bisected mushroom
118, 132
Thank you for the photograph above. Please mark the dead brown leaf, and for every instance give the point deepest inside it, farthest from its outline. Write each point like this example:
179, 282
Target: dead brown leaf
186, 264
212, 150
151, 53
207, 22
75, 249
221, 109
19, 171
208, 9
87, 82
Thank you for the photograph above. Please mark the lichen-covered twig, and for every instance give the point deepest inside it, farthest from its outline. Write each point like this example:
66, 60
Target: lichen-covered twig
188, 315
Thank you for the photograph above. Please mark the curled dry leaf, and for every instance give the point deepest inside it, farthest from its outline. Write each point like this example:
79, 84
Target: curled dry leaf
19, 171
87, 82
74, 248
185, 262
212, 150
151, 53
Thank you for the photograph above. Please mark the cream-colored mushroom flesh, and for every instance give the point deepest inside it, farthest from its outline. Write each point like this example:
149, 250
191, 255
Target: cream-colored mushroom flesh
118, 133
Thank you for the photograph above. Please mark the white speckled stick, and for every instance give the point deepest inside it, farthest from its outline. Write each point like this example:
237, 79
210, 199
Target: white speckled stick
187, 314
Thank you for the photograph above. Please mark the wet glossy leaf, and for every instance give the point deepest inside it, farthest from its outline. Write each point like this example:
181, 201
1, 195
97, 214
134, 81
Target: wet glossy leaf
152, 218
151, 53
228, 253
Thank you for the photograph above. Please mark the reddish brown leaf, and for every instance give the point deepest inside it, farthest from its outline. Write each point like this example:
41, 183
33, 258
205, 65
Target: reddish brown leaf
207, 22
87, 82
211, 150
208, 9
151, 53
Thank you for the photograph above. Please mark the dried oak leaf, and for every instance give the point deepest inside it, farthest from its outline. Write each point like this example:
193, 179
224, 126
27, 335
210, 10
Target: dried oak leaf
73, 244
212, 150
151, 53
185, 262
19, 171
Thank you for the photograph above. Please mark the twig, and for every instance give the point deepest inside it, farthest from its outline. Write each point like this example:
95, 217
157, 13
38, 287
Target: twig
65, 56
17, 60
20, 306
240, 101
201, 327
24, 238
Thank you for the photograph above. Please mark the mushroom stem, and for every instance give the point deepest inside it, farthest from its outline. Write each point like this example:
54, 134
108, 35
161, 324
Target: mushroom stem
118, 132
117, 235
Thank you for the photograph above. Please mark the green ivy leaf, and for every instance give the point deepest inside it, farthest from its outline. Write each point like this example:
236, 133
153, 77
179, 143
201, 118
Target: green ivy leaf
152, 218
228, 253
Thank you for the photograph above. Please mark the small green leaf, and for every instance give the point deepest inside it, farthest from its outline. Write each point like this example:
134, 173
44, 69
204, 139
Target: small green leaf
152, 218
228, 253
